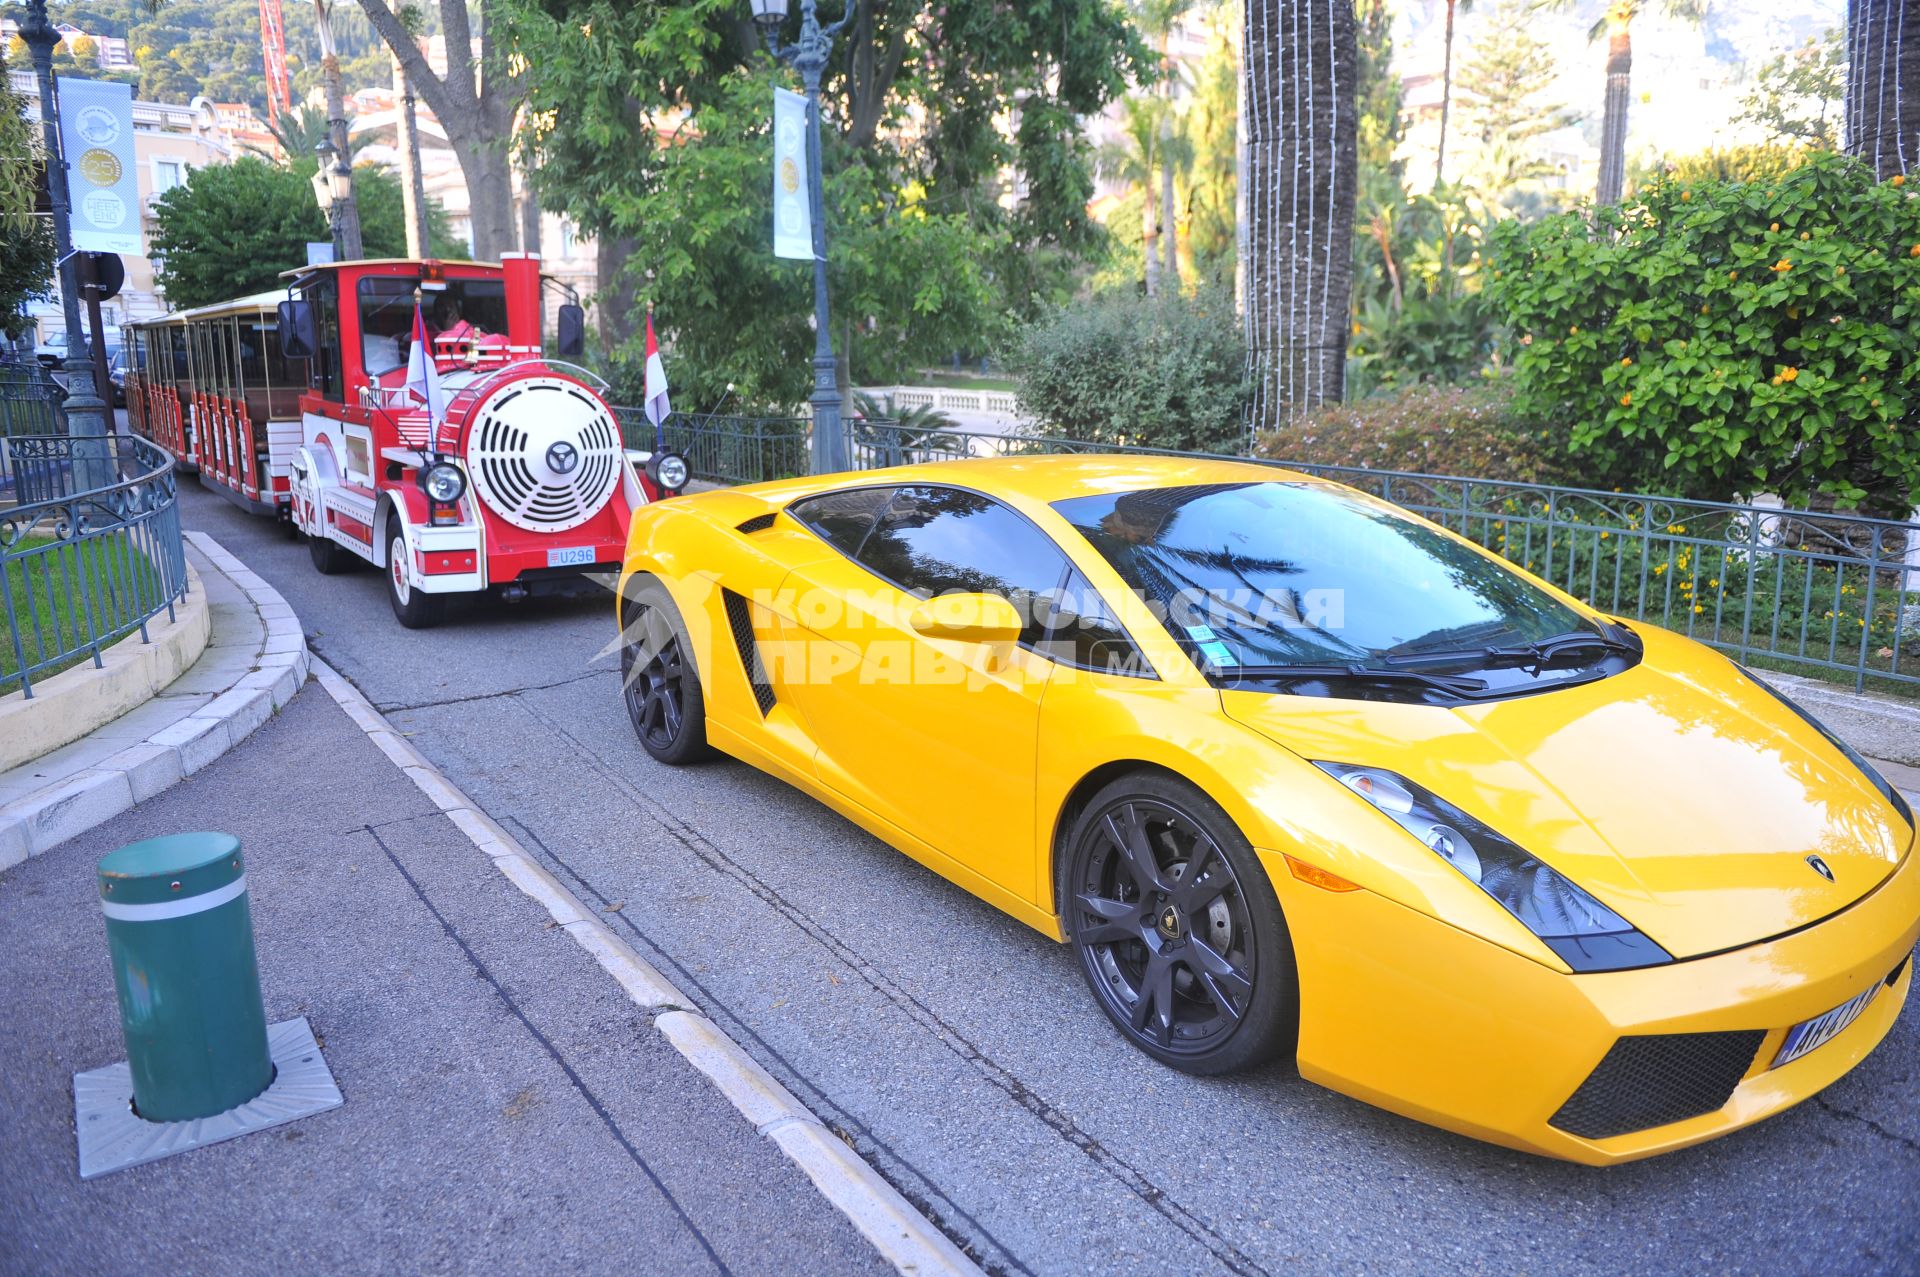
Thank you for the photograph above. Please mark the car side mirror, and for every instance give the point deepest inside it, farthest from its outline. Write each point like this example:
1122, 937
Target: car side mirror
299, 335
968, 618
570, 341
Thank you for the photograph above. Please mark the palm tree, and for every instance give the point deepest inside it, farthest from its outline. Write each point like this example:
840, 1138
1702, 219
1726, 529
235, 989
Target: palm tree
298, 132
1446, 92
1883, 86
1301, 69
1616, 23
1133, 159
1158, 18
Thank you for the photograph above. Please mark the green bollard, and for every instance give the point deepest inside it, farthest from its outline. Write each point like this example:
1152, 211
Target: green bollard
181, 938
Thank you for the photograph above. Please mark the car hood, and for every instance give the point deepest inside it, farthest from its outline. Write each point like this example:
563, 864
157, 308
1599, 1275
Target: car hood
1684, 797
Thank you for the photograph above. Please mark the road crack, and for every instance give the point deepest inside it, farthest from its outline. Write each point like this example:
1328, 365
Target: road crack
1911, 1145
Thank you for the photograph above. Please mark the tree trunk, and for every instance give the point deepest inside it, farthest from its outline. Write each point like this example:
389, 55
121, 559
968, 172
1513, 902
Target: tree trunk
349, 211
529, 214
413, 184
1446, 101
1883, 85
1613, 128
1300, 68
1169, 219
1149, 234
615, 298
483, 162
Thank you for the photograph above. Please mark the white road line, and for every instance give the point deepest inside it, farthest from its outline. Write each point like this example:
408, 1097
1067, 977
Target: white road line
904, 1237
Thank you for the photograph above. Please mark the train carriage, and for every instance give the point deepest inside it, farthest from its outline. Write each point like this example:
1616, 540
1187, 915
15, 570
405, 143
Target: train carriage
301, 404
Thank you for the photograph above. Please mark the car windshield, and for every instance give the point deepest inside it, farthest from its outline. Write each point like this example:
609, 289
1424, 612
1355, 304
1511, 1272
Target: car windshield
1302, 574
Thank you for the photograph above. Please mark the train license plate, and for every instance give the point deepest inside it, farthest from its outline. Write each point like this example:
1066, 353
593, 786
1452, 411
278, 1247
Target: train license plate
1821, 1029
573, 556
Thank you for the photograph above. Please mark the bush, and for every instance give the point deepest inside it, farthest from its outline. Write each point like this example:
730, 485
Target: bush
1169, 372
1724, 338
1469, 432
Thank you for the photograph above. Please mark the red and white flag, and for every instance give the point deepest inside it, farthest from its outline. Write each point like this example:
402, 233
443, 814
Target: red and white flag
423, 377
656, 405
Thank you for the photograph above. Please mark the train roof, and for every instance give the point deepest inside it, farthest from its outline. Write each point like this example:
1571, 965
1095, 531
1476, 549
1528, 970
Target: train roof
317, 267
248, 305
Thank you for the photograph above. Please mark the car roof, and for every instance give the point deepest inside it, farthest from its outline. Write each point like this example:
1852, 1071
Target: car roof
1046, 479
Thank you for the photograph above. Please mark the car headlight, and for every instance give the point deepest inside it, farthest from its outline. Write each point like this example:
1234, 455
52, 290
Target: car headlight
1586, 934
443, 482
1867, 769
669, 470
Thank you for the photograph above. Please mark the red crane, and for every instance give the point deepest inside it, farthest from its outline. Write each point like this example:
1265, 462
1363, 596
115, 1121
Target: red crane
273, 51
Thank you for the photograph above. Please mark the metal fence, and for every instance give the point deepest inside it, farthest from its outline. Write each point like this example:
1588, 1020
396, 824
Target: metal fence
29, 399
82, 567
725, 449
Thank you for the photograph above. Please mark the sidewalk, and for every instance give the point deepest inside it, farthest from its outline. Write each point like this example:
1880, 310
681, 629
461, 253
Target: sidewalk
508, 1108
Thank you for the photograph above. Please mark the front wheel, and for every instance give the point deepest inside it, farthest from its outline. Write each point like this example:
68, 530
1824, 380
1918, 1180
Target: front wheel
1177, 929
658, 679
414, 609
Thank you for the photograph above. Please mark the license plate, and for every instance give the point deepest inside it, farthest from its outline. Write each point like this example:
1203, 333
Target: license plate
572, 557
1808, 1034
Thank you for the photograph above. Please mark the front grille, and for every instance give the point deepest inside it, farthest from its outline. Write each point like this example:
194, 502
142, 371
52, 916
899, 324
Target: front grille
740, 621
1656, 1079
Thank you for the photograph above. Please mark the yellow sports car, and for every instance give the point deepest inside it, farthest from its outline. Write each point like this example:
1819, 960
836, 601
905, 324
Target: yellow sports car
1295, 772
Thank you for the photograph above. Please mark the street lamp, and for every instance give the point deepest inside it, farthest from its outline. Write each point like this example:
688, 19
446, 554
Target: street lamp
809, 56
332, 183
86, 414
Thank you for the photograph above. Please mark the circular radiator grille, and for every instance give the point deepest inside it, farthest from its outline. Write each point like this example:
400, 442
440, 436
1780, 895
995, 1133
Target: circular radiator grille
544, 454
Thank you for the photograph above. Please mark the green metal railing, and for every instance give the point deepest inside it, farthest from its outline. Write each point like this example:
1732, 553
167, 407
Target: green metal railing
82, 567
1831, 594
721, 448
29, 399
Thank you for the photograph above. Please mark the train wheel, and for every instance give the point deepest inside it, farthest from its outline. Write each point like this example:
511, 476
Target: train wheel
328, 558
415, 609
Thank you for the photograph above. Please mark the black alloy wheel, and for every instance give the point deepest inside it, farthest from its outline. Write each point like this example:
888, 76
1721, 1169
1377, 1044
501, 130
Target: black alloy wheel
658, 679
1177, 928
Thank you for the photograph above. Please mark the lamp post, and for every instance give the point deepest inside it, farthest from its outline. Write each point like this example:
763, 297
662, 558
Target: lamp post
86, 414
330, 186
809, 56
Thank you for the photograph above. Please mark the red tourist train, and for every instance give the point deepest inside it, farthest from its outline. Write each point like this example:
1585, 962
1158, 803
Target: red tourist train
296, 404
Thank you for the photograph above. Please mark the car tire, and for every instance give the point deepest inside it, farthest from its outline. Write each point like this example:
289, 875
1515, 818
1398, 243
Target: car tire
658, 679
328, 558
415, 609
1176, 927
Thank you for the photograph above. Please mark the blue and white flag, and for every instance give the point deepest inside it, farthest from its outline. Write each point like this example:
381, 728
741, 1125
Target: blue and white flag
96, 135
792, 220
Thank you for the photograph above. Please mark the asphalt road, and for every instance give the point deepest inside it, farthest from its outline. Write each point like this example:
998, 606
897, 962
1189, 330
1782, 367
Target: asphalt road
963, 1056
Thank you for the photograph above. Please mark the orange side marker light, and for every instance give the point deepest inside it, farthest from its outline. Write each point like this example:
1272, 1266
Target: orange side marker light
1314, 876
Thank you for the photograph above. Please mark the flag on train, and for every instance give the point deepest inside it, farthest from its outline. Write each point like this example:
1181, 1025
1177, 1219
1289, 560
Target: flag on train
423, 377
656, 404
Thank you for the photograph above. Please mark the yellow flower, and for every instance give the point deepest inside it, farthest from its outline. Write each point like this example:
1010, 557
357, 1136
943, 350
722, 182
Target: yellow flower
1774, 227
1699, 608
1839, 272
1805, 235
1789, 374
1733, 274
1626, 363
1876, 403
1686, 195
1782, 266
1626, 400
1659, 568
1605, 535
1898, 179
1527, 340
1574, 329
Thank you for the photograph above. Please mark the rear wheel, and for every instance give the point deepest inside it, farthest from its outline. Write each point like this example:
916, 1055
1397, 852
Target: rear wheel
1177, 929
658, 679
328, 558
414, 609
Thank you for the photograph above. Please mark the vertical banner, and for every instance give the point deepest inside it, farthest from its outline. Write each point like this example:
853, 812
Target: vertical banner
792, 223
96, 133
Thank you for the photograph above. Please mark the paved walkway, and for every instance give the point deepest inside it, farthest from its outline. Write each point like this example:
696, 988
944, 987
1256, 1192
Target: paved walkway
508, 1109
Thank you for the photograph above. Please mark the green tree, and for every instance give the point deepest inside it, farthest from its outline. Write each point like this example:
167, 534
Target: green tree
1212, 131
1798, 96
949, 109
234, 227
1504, 85
1728, 338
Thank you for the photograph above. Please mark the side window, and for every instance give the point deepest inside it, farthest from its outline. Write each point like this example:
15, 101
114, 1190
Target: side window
946, 541
324, 367
1082, 631
842, 519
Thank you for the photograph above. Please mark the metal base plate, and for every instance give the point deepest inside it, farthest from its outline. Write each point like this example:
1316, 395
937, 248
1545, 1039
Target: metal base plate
113, 1137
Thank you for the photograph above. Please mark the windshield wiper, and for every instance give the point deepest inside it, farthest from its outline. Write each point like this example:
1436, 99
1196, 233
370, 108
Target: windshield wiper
1540, 652
1452, 684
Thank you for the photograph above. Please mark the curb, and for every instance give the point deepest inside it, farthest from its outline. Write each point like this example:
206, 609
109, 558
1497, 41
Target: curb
75, 702
71, 805
904, 1237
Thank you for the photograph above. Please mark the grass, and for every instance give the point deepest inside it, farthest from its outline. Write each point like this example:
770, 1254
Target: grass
53, 587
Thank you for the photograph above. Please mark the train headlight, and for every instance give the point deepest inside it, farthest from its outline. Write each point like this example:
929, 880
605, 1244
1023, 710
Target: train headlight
443, 482
669, 470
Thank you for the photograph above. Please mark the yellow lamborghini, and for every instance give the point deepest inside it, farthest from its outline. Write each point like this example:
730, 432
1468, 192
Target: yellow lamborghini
1297, 773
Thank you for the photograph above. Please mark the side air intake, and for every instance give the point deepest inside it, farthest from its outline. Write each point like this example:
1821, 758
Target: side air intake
740, 621
758, 523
